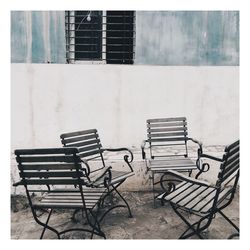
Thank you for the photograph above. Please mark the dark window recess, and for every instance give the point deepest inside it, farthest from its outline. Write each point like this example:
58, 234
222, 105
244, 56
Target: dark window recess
88, 35
88, 38
120, 37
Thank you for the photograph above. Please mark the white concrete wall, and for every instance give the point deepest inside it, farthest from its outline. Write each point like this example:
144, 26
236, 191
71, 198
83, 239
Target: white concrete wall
49, 99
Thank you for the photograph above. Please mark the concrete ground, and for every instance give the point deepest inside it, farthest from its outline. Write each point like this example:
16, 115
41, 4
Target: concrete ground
147, 222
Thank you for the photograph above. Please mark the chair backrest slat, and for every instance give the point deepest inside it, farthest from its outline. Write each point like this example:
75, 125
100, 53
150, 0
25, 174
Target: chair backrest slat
153, 124
87, 142
167, 131
174, 129
231, 162
49, 166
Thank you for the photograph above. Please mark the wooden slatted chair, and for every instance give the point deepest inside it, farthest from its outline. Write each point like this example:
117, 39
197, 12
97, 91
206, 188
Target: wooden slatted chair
167, 135
56, 174
203, 199
91, 151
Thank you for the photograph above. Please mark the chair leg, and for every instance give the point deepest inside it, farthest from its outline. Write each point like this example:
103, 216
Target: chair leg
45, 225
96, 226
153, 187
195, 227
127, 205
233, 235
228, 220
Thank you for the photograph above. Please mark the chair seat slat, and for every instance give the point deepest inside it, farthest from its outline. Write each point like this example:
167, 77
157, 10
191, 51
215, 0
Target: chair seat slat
172, 162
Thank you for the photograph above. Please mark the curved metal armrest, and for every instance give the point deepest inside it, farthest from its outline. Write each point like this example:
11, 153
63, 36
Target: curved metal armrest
211, 157
205, 166
86, 169
200, 150
126, 157
189, 179
106, 175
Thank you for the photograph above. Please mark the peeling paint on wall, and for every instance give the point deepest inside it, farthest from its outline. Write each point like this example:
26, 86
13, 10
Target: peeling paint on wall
187, 37
38, 37
162, 37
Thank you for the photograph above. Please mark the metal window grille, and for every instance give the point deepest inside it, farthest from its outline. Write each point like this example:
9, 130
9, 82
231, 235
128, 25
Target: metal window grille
107, 36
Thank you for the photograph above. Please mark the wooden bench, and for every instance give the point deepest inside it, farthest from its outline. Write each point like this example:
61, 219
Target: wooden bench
164, 136
57, 178
203, 199
91, 151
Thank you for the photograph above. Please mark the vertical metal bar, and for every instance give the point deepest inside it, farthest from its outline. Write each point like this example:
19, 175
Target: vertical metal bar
150, 145
134, 35
185, 138
46, 223
71, 35
153, 182
104, 34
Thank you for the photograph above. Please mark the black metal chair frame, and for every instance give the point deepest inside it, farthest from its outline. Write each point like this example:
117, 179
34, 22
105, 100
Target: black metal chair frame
42, 171
222, 194
89, 145
169, 132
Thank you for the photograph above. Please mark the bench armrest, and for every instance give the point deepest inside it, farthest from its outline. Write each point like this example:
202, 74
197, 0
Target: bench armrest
127, 158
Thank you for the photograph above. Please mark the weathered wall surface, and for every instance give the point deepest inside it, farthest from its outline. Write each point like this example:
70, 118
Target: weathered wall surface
47, 100
187, 37
162, 37
38, 37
